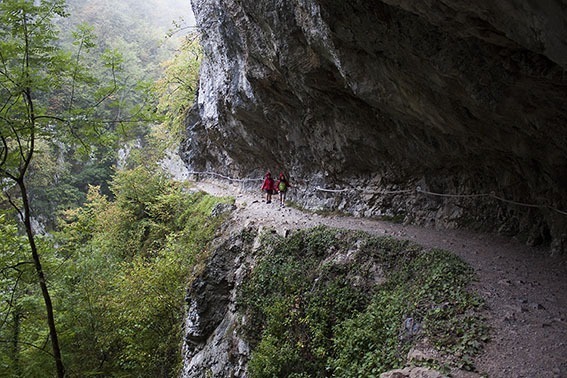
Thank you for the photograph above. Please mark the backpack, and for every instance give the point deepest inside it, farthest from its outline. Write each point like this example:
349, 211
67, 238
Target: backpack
281, 186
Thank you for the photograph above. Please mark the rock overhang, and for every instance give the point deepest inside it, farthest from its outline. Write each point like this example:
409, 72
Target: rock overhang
454, 97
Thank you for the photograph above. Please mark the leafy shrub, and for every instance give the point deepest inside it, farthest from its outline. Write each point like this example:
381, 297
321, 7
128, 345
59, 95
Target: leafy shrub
128, 262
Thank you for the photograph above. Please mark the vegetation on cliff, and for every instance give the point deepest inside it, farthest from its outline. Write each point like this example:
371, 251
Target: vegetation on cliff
327, 302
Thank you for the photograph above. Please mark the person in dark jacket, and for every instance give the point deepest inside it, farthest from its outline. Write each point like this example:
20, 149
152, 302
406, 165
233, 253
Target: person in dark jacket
269, 187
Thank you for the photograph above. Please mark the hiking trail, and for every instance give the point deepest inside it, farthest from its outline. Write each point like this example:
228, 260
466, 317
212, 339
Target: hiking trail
525, 288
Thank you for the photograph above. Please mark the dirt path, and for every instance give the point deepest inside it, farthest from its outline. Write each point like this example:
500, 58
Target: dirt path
525, 289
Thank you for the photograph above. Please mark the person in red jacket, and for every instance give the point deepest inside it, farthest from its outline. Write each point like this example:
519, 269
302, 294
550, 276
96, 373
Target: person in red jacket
268, 186
282, 185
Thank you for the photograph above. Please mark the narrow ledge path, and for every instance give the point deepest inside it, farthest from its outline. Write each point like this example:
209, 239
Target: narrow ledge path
525, 289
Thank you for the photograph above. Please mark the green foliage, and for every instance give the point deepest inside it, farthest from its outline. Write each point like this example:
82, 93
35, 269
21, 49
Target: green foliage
31, 66
368, 343
420, 288
92, 89
65, 106
307, 317
91, 73
67, 101
137, 27
176, 90
14, 303
449, 320
23, 334
58, 182
288, 299
31, 70
127, 266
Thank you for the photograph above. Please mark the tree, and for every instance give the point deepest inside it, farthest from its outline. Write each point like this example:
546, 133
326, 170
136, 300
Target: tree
22, 323
45, 96
10, 278
30, 65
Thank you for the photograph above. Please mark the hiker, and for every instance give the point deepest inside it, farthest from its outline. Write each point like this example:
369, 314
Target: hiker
268, 186
282, 186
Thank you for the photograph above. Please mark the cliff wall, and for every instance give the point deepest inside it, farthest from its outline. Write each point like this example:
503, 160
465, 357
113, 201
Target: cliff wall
387, 102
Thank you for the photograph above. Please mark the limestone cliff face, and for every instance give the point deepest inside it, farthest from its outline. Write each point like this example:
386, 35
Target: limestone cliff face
375, 97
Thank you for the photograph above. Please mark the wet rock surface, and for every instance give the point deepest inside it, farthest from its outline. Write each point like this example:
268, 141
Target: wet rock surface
210, 347
379, 98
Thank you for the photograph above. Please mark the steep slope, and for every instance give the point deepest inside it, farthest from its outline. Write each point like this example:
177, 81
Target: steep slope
447, 114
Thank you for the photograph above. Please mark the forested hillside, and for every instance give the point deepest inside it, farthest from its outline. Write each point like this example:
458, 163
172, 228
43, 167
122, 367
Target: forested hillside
96, 241
123, 47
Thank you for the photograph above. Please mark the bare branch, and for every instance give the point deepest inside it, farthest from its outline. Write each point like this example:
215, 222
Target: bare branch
12, 295
4, 151
11, 201
32, 345
15, 266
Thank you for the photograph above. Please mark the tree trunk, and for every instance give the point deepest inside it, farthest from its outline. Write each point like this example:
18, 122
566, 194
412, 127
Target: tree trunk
44, 291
